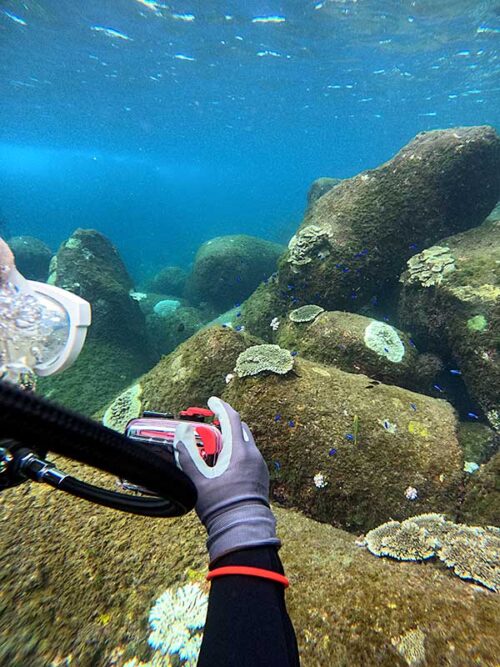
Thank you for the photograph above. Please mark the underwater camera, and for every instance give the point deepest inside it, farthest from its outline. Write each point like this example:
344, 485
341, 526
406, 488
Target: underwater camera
31, 427
157, 430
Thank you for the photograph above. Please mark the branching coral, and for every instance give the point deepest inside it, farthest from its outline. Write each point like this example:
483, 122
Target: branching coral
260, 358
177, 620
125, 407
305, 313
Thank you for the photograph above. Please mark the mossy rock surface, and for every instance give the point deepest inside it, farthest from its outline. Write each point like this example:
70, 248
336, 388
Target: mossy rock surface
195, 370
228, 268
82, 580
478, 441
461, 314
368, 444
481, 503
169, 331
343, 340
258, 311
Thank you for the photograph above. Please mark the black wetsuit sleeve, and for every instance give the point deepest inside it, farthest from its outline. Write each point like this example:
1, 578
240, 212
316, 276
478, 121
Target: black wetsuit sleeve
247, 622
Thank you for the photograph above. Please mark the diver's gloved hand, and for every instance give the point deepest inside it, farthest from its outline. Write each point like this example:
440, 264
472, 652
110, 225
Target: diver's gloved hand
233, 495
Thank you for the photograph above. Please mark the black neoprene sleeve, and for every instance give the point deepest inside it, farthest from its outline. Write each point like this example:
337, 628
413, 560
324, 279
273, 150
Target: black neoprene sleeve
247, 622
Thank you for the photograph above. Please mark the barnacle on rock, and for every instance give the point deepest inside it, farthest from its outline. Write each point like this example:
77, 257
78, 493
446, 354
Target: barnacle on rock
260, 358
125, 407
305, 313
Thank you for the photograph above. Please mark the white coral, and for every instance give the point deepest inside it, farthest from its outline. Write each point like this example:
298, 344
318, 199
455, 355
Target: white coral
176, 619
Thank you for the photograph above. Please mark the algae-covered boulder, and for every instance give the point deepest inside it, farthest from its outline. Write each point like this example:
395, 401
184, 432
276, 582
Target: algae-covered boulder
355, 240
320, 187
116, 349
451, 298
478, 441
357, 344
261, 307
169, 280
32, 256
481, 502
87, 595
169, 327
347, 452
228, 268
193, 372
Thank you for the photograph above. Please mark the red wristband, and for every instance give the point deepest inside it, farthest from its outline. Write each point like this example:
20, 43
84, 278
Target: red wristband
250, 571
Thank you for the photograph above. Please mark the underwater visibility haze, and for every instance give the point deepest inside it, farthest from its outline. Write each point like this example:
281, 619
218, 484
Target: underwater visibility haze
294, 206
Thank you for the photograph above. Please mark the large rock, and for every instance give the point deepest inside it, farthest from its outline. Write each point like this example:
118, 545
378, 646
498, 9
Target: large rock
481, 504
169, 280
79, 584
320, 187
451, 299
228, 268
32, 256
348, 451
355, 240
194, 371
358, 344
116, 350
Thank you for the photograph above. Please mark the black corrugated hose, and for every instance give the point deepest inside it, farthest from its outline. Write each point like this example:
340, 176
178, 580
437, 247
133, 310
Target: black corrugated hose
42, 426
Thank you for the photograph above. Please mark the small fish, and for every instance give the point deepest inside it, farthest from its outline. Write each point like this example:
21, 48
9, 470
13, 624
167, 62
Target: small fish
472, 415
277, 418
455, 371
413, 406
412, 343
349, 436
294, 353
438, 388
413, 246
291, 423
238, 314
332, 451
277, 465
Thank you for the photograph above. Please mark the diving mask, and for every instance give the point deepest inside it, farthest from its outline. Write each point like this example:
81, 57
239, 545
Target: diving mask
42, 328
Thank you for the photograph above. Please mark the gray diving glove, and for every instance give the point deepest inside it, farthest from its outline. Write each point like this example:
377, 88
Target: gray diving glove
233, 495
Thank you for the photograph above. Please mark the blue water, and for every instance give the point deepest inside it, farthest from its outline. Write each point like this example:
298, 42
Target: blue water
165, 126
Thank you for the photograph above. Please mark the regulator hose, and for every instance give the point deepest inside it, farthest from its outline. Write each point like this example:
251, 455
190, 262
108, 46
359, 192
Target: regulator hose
41, 425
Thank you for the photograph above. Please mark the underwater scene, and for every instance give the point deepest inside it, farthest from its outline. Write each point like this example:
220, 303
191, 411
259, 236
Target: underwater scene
293, 206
